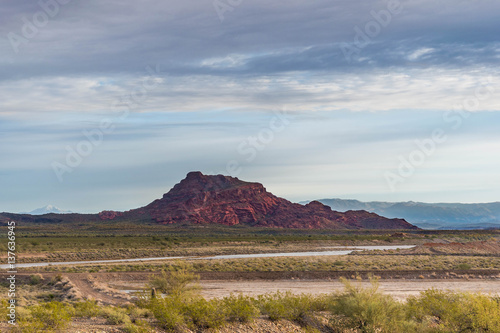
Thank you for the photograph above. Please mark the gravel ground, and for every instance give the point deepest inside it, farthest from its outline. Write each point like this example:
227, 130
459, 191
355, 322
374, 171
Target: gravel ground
399, 289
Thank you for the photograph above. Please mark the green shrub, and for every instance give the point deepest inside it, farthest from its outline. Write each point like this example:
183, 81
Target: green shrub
87, 309
240, 308
176, 283
456, 312
464, 266
35, 279
204, 314
3, 310
368, 310
323, 302
138, 327
136, 313
168, 313
271, 305
52, 315
115, 316
484, 313
287, 306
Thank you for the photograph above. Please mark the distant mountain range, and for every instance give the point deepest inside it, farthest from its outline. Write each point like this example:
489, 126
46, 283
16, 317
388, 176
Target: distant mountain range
221, 200
47, 210
428, 215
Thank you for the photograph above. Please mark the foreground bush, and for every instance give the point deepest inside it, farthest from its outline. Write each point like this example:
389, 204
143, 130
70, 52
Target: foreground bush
176, 283
240, 308
87, 309
202, 314
168, 313
286, 306
174, 314
456, 312
367, 310
45, 317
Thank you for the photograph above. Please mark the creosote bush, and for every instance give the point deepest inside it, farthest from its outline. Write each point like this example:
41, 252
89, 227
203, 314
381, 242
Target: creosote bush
287, 306
87, 309
168, 312
367, 310
44, 317
240, 308
456, 312
115, 315
176, 283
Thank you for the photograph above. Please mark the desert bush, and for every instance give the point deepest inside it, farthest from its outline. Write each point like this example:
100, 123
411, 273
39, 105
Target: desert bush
240, 308
87, 309
176, 283
135, 313
323, 302
138, 327
271, 305
464, 266
484, 313
456, 312
168, 313
203, 314
115, 316
286, 306
367, 310
52, 315
35, 279
3, 309
174, 313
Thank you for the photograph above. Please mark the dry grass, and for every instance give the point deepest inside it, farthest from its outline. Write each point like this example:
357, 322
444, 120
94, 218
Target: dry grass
354, 262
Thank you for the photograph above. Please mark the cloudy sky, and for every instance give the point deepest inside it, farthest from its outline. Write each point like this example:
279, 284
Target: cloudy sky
108, 104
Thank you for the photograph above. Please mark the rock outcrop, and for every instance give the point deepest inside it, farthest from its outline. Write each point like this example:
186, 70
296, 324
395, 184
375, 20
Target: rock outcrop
203, 199
221, 200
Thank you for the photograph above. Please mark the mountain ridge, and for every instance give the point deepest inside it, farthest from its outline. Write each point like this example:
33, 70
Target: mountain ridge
428, 215
202, 199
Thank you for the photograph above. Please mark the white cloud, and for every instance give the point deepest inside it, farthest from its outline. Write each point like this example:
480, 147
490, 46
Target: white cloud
419, 53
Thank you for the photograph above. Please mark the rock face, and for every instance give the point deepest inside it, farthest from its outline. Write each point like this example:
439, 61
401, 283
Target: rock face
109, 215
202, 199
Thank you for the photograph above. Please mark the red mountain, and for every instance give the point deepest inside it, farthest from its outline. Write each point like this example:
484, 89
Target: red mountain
202, 199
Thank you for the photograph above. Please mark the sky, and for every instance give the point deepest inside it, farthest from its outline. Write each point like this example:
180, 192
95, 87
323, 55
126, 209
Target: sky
105, 105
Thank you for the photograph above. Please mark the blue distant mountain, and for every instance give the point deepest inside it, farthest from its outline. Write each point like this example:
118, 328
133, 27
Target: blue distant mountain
428, 215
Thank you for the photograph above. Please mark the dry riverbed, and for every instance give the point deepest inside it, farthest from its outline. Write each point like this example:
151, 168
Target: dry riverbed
399, 289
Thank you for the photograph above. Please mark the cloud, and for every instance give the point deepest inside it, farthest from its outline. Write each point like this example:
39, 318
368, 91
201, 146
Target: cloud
219, 82
117, 37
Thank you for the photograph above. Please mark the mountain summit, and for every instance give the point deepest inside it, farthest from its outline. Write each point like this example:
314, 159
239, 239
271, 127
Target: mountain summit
48, 210
204, 199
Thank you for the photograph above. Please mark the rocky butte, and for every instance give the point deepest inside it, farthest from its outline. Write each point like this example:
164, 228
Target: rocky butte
204, 199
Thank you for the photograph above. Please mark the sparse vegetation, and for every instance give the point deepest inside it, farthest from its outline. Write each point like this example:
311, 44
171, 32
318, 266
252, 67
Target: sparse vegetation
354, 262
45, 305
355, 309
111, 240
